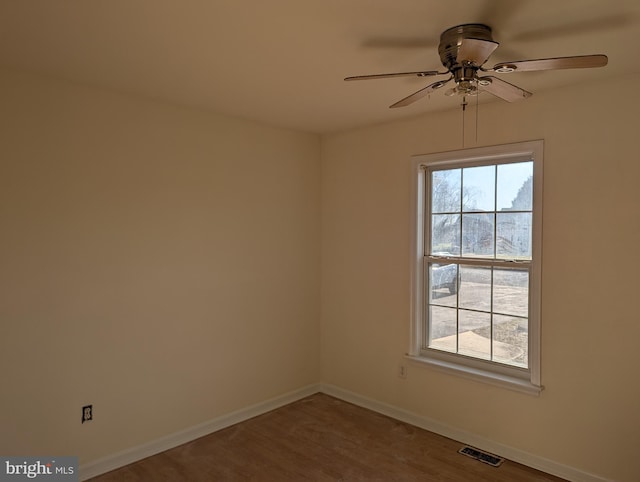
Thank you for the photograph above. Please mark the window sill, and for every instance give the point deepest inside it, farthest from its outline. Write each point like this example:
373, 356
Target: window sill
479, 375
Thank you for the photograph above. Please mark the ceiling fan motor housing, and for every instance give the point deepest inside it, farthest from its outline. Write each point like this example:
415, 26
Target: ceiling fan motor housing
464, 74
451, 40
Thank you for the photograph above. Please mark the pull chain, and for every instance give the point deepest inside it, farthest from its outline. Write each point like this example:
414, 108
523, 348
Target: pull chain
477, 108
464, 108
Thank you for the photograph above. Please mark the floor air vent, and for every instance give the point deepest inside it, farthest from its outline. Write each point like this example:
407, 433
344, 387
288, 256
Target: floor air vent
485, 457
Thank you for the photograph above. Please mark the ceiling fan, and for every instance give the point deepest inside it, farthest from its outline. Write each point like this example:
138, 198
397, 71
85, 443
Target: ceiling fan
464, 49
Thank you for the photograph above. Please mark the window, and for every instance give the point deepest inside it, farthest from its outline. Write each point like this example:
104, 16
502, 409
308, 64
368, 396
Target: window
476, 246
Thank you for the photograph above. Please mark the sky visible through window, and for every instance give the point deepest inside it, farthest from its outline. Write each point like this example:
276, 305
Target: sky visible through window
481, 182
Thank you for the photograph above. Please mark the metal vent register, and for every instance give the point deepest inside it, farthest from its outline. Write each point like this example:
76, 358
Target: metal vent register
485, 457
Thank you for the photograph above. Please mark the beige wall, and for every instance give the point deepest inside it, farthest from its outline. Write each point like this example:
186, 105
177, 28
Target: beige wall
164, 265
159, 263
588, 417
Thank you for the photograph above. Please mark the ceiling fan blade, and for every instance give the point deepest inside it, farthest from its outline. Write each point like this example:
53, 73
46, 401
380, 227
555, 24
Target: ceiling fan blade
563, 29
420, 94
423, 43
502, 89
500, 12
576, 62
424, 73
476, 51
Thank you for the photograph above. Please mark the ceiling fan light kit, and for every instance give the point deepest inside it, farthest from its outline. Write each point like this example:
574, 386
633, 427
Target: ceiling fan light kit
464, 49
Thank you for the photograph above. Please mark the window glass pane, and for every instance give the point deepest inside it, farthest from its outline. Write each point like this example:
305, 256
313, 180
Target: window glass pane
515, 186
513, 235
477, 235
445, 191
475, 288
511, 292
478, 188
445, 234
443, 284
442, 328
511, 340
474, 334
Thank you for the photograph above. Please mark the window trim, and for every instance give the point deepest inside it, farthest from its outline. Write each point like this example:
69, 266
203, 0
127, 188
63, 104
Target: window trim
514, 378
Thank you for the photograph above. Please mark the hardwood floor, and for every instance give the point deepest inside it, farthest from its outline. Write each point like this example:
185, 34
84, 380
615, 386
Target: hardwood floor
320, 438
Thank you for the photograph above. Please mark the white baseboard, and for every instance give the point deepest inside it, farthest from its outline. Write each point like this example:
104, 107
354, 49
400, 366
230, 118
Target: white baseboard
134, 454
120, 459
513, 454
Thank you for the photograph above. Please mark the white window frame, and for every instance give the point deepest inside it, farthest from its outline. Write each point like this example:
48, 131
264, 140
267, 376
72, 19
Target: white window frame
520, 379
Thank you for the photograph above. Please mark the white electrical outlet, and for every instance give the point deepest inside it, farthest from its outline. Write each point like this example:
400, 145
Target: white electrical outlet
402, 371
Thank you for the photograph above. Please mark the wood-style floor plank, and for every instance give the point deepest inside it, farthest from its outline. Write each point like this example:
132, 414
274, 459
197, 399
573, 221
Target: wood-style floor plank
320, 438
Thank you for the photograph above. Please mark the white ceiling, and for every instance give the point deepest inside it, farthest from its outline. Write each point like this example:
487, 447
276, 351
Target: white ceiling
282, 61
